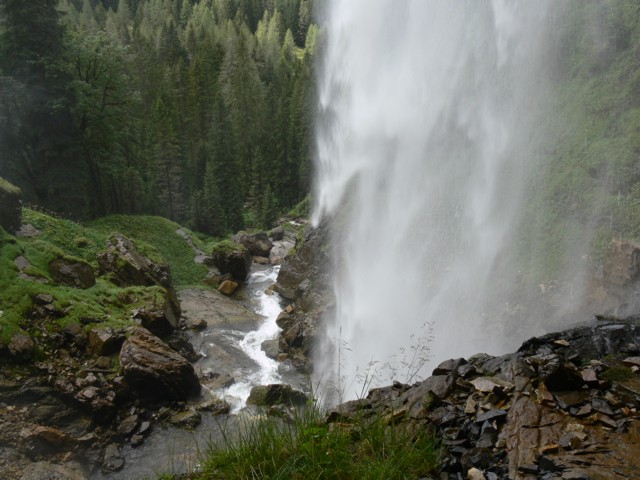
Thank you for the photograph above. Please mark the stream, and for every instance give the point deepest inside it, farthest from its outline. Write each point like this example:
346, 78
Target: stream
233, 362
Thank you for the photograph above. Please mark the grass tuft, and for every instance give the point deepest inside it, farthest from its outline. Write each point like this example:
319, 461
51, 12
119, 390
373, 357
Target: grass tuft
309, 447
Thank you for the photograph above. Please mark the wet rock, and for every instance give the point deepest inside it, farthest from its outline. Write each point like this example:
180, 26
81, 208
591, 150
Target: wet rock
72, 273
21, 348
136, 440
10, 206
105, 341
258, 244
261, 260
128, 425
197, 324
228, 287
155, 371
277, 394
270, 348
215, 406
233, 259
112, 459
186, 419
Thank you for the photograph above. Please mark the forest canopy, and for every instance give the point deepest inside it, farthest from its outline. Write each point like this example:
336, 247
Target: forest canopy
197, 110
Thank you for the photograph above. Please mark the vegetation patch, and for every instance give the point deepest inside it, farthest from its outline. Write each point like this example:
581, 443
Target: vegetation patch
308, 447
156, 238
618, 374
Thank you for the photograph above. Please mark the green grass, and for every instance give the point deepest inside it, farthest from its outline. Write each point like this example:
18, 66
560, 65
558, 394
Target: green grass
104, 303
157, 237
310, 448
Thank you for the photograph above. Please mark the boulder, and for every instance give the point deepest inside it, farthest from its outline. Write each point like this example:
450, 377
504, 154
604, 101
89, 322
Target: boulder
258, 244
129, 267
276, 394
10, 206
155, 371
270, 348
21, 348
228, 287
72, 273
233, 259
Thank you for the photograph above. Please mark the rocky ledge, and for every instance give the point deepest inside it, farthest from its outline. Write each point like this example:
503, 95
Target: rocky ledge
564, 406
304, 286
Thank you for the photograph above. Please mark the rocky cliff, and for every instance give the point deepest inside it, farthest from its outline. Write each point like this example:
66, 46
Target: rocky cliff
303, 284
564, 406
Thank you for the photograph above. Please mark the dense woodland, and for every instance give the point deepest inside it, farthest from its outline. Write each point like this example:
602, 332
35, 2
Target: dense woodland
196, 110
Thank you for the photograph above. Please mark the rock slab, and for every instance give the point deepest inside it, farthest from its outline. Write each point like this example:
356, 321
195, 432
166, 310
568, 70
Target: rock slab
155, 371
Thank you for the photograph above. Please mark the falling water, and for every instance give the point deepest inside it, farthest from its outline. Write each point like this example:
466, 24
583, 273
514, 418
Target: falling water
428, 131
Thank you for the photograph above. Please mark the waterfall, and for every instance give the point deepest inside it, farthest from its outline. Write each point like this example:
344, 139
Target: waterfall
429, 130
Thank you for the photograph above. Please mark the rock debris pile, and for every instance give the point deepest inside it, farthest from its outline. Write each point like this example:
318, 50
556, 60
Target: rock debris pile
564, 406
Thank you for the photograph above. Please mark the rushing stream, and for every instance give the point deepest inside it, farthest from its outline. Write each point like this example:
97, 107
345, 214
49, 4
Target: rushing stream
231, 345
265, 370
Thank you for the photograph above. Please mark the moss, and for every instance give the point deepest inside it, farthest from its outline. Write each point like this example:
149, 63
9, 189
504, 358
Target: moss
156, 238
227, 246
618, 374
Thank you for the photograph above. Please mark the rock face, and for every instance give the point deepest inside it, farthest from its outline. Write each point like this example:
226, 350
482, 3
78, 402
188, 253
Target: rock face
564, 406
72, 274
155, 371
303, 284
235, 260
10, 206
258, 244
